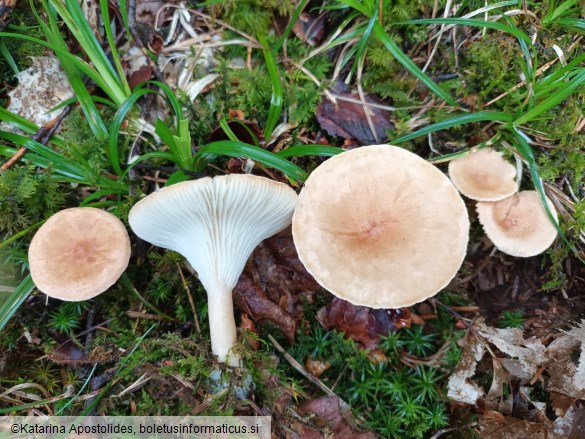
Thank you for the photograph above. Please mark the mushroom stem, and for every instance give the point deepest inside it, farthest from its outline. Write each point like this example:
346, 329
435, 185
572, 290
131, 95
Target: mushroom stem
222, 324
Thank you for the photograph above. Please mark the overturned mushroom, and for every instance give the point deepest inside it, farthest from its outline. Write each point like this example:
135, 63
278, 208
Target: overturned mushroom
78, 253
483, 175
518, 225
216, 223
379, 226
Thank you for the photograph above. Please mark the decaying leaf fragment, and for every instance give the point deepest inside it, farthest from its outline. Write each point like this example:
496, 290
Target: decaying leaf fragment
40, 88
328, 418
519, 362
360, 323
569, 426
274, 285
348, 119
460, 387
525, 355
565, 376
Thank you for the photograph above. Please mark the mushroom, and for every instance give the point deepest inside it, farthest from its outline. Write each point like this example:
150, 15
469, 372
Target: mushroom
483, 175
379, 226
78, 253
518, 225
216, 223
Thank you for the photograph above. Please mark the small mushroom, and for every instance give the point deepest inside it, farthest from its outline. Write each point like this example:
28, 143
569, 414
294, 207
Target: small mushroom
483, 175
78, 253
379, 226
518, 225
216, 223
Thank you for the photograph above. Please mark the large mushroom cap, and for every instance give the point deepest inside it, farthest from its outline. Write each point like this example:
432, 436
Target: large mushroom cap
483, 175
379, 226
518, 225
78, 253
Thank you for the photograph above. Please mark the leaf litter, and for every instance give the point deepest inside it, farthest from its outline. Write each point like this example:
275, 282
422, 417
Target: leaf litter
523, 366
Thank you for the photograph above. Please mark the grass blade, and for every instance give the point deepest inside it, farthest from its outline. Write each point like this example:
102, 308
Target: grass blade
8, 57
60, 163
575, 24
113, 151
73, 16
82, 95
81, 389
554, 99
293, 19
240, 149
277, 93
108, 386
481, 116
20, 234
310, 150
410, 65
475, 23
15, 300
112, 43
18, 121
526, 151
361, 49
148, 156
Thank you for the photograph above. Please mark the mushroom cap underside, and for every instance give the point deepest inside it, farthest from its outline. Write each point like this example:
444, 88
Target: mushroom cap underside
215, 222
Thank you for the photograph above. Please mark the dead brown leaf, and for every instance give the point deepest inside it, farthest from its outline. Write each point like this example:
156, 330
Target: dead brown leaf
569, 426
327, 419
144, 73
316, 367
67, 352
147, 10
250, 296
360, 323
348, 119
310, 28
512, 428
275, 285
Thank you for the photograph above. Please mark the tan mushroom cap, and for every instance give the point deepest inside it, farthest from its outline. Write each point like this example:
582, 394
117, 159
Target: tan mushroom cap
379, 226
78, 253
483, 175
518, 225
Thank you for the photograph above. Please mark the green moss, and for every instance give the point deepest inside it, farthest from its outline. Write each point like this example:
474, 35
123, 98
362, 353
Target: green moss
386, 388
81, 146
27, 195
491, 67
251, 16
22, 21
250, 90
